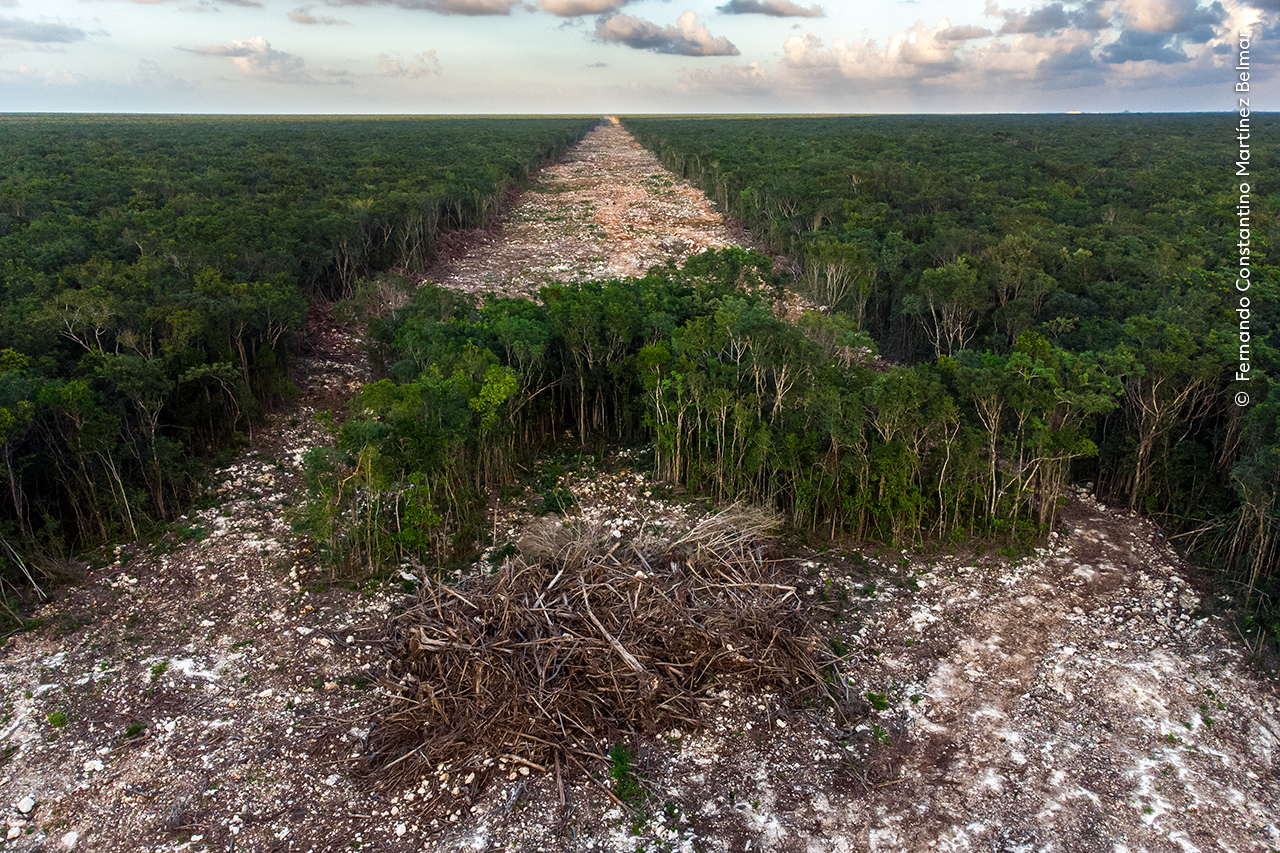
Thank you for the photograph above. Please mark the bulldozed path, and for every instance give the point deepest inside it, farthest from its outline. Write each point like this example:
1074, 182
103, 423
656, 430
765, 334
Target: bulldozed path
608, 210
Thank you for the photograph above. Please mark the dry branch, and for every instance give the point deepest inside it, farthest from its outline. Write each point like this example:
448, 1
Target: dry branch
573, 646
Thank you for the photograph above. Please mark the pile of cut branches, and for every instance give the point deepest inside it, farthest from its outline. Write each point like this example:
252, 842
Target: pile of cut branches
586, 639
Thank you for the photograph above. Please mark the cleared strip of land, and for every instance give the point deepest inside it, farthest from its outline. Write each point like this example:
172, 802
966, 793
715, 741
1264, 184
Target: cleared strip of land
608, 210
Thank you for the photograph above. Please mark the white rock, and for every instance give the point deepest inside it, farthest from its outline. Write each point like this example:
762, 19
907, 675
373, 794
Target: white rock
92, 765
401, 829
26, 804
14, 832
69, 840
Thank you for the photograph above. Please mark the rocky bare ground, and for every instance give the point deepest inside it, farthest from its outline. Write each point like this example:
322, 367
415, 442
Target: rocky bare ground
213, 691
608, 210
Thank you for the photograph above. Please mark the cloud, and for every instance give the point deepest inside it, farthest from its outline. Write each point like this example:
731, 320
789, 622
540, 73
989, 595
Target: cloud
917, 52
730, 79
302, 15
1136, 46
424, 64
598, 65
1091, 15
442, 7
775, 8
151, 74
17, 29
207, 5
47, 78
1075, 66
574, 8
1170, 16
8, 3
256, 57
686, 38
943, 56
964, 32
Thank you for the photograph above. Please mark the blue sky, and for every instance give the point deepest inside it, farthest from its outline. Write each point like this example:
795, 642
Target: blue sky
614, 56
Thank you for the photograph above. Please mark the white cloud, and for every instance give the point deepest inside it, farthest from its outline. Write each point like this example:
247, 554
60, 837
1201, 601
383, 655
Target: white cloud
151, 74
916, 52
60, 79
256, 57
302, 15
686, 38
203, 5
729, 79
424, 64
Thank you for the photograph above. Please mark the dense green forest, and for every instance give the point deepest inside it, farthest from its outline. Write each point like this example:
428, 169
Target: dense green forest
1112, 238
155, 274
738, 403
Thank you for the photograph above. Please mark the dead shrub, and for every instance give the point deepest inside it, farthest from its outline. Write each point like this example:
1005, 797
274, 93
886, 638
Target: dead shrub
588, 639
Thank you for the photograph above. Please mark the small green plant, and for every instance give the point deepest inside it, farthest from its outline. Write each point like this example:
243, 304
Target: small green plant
879, 701
557, 499
57, 719
134, 729
157, 670
499, 555
625, 784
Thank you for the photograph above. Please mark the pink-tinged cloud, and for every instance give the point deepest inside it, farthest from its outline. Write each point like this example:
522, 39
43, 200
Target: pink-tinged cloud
575, 8
302, 15
686, 38
442, 7
964, 32
424, 64
1169, 16
256, 57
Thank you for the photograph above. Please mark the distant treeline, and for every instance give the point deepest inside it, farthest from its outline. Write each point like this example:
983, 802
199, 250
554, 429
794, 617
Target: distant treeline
1113, 239
155, 273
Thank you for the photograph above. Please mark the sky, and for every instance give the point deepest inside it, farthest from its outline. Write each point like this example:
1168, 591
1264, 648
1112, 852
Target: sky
632, 56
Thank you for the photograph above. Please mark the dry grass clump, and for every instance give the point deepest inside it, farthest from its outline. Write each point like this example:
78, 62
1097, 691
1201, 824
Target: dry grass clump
587, 639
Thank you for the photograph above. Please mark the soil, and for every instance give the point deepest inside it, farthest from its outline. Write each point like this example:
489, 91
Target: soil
213, 691
608, 210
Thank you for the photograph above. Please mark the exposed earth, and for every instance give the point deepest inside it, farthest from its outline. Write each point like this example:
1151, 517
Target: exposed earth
214, 691
607, 210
